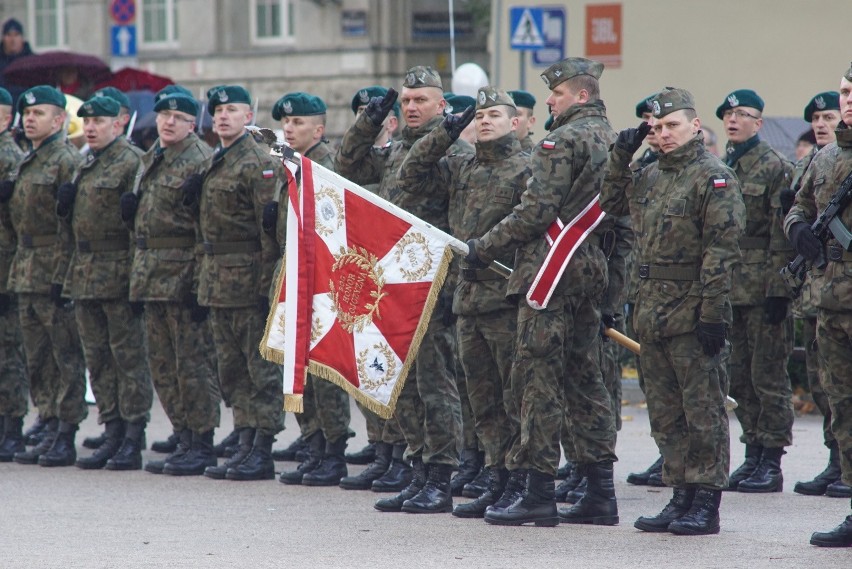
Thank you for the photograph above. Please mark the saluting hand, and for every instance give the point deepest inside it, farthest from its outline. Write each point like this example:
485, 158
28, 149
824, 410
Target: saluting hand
379, 107
455, 124
630, 139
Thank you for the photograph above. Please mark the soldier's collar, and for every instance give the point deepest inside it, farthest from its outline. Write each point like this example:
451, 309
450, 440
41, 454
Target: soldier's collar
577, 111
735, 151
844, 135
412, 135
53, 137
498, 149
682, 154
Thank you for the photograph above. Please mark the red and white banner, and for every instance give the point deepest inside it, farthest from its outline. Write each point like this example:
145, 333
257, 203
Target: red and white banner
375, 276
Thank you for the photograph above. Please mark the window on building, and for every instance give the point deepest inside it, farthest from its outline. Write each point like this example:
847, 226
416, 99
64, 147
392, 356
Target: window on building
47, 20
159, 23
272, 21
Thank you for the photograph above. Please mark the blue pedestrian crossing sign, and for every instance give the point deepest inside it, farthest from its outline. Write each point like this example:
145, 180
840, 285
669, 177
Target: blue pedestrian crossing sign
525, 25
123, 41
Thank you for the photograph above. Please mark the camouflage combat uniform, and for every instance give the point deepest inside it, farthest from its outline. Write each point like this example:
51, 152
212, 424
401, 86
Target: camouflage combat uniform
57, 383
13, 371
831, 288
163, 275
98, 280
759, 380
556, 359
483, 188
428, 408
688, 216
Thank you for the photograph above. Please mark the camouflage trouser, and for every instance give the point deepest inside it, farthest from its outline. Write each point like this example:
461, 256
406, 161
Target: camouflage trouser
54, 357
685, 391
13, 370
759, 380
611, 370
814, 369
252, 385
428, 408
485, 351
470, 437
392, 432
631, 333
114, 344
375, 424
325, 407
556, 367
834, 338
178, 355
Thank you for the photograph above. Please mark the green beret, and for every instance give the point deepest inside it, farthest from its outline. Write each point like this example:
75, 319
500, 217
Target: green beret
523, 99
489, 96
226, 94
422, 76
671, 99
5, 97
848, 74
740, 98
177, 102
548, 123
570, 67
827, 101
172, 90
99, 107
114, 93
41, 95
458, 103
644, 106
298, 104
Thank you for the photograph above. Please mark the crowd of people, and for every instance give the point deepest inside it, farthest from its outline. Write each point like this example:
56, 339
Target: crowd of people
154, 270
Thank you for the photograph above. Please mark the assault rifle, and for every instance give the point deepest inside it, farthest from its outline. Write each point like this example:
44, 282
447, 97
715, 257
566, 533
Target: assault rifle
828, 224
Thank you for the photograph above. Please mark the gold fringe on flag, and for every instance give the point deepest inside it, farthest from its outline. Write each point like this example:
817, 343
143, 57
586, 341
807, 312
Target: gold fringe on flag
293, 403
268, 353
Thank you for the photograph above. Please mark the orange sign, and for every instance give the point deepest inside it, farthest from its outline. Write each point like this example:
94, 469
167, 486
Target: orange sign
603, 33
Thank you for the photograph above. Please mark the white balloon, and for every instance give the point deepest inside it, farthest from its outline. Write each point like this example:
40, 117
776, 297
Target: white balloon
468, 78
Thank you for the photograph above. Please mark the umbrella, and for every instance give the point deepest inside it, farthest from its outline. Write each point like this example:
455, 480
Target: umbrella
46, 68
132, 79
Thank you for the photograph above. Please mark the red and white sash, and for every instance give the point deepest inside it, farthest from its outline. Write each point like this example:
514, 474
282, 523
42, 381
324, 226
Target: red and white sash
564, 240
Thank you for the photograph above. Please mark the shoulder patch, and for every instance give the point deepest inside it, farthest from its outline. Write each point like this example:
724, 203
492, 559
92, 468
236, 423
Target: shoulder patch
267, 174
720, 183
548, 144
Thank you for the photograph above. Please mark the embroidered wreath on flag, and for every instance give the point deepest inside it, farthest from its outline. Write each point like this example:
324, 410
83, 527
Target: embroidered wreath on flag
353, 317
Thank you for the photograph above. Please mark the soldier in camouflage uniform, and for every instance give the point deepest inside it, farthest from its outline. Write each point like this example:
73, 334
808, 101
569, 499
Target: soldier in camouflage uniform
50, 337
823, 112
235, 276
97, 279
13, 371
688, 215
831, 288
124, 114
761, 334
164, 276
428, 408
525, 102
483, 188
556, 361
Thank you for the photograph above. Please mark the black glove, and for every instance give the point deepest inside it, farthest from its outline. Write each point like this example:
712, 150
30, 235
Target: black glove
56, 295
607, 321
630, 139
804, 241
455, 124
65, 199
269, 221
197, 313
788, 198
712, 337
5, 303
263, 305
137, 308
129, 202
7, 187
191, 189
775, 309
379, 107
472, 258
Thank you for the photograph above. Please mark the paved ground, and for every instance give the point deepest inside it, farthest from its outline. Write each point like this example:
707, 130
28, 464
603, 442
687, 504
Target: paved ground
69, 518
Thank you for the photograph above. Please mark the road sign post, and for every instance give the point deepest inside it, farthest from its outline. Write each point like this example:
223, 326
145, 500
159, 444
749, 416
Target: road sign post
525, 25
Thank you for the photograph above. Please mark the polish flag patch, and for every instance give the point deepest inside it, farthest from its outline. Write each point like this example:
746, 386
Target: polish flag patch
548, 144
720, 183
267, 174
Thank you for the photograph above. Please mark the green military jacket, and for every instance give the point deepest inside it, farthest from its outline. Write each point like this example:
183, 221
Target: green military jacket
482, 189
566, 175
239, 256
762, 173
167, 239
619, 262
527, 143
99, 264
10, 155
688, 216
41, 258
831, 288
803, 306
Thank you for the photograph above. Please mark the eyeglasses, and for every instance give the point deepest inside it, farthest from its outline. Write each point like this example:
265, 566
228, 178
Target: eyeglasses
166, 116
739, 113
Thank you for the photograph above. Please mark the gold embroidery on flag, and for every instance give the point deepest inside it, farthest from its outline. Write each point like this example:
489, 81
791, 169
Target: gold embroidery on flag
328, 211
413, 248
358, 277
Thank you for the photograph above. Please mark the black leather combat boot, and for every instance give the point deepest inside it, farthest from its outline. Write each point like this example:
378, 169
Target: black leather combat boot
537, 505
332, 468
199, 457
512, 492
703, 515
838, 489
767, 477
289, 454
643, 478
435, 497
95, 443
418, 480
229, 445
598, 505
479, 485
569, 484
13, 438
565, 470
258, 463
316, 448
398, 475
364, 456
746, 469
841, 536
469, 466
677, 507
114, 432
32, 436
167, 446
184, 443
821, 481
47, 437
129, 454
375, 470
63, 452
577, 493
246, 440
476, 509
